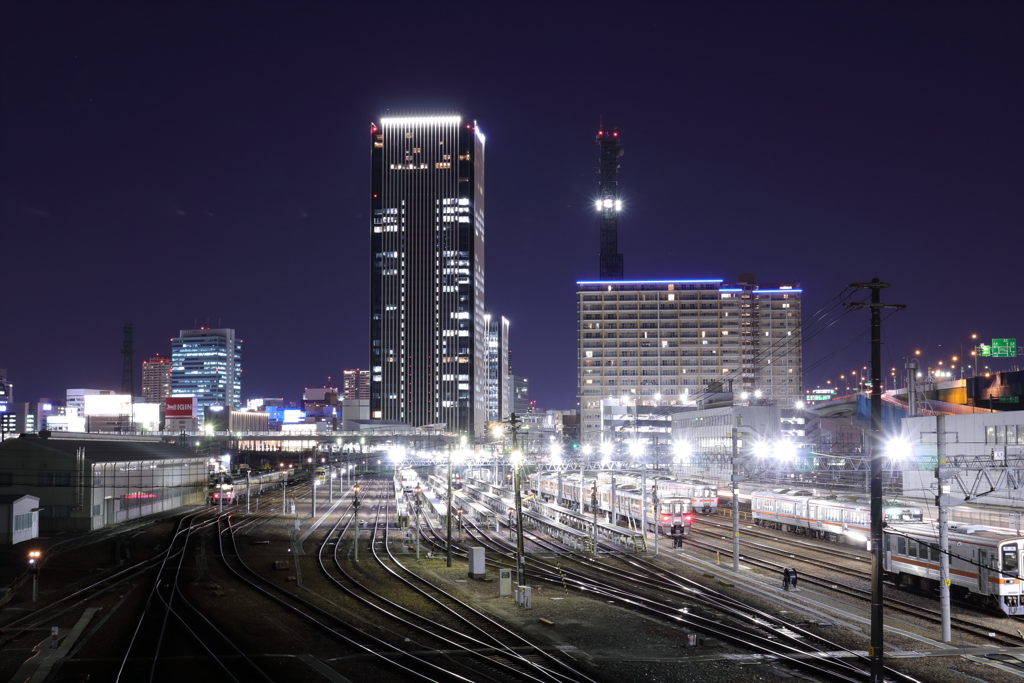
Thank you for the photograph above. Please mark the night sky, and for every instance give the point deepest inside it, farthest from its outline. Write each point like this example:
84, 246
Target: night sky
174, 164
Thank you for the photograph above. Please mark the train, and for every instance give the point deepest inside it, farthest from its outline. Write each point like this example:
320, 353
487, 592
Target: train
843, 519
321, 474
671, 511
408, 479
984, 563
234, 486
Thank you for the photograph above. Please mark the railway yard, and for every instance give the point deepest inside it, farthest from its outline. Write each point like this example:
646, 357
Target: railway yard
357, 592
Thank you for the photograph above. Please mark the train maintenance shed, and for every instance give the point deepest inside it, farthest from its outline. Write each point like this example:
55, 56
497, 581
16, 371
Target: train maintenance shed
84, 484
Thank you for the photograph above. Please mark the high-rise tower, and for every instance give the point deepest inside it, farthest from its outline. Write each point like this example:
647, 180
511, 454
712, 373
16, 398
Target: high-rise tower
156, 379
427, 328
207, 364
609, 205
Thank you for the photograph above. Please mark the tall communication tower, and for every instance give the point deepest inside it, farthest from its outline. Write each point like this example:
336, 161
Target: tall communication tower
609, 204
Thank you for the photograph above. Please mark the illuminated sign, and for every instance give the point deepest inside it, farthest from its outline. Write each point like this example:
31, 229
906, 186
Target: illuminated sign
107, 404
180, 406
1003, 348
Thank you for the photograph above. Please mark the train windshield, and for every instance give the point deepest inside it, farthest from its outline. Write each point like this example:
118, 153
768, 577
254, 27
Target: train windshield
1010, 560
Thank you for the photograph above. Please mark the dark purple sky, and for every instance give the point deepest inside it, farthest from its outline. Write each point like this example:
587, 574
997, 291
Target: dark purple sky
168, 163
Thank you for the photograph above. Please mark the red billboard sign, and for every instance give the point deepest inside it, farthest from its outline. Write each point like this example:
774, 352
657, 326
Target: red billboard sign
180, 406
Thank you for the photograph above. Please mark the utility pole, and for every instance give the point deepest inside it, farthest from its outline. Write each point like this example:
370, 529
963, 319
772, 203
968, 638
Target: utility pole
517, 470
248, 491
448, 517
943, 502
735, 480
643, 503
355, 513
875, 651
654, 506
417, 529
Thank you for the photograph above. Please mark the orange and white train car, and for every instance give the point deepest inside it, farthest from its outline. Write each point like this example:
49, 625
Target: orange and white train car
845, 519
984, 563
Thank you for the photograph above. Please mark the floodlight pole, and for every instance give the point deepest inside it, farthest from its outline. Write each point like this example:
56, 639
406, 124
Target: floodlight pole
942, 502
875, 651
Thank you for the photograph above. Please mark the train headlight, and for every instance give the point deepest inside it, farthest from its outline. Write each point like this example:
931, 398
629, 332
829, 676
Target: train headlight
855, 536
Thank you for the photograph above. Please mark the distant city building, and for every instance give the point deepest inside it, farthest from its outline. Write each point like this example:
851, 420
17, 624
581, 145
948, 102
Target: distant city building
356, 384
225, 419
6, 390
518, 395
427, 273
156, 379
666, 342
497, 368
262, 403
75, 399
207, 364
322, 400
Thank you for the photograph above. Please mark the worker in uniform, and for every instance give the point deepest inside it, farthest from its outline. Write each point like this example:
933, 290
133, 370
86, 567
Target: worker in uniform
677, 536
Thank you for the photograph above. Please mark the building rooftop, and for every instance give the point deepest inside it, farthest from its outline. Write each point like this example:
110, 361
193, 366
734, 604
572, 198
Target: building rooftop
98, 451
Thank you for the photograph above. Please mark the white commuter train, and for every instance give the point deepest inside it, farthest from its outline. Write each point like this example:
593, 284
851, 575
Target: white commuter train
845, 519
984, 563
671, 510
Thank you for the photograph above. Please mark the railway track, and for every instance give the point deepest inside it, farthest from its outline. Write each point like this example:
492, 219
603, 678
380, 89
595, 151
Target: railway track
677, 600
925, 614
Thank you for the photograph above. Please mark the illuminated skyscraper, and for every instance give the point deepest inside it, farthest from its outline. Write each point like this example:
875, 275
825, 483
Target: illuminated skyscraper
498, 406
156, 379
207, 364
427, 349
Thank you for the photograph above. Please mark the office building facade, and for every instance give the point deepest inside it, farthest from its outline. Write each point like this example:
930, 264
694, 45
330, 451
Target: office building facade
207, 364
156, 379
427, 352
497, 368
667, 342
356, 384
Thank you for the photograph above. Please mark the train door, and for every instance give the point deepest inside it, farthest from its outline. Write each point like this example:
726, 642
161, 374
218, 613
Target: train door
982, 571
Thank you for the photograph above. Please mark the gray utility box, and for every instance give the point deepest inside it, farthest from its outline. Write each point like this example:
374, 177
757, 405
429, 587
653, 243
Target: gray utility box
504, 583
477, 568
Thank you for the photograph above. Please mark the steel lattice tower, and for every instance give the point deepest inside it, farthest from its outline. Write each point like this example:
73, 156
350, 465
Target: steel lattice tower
609, 205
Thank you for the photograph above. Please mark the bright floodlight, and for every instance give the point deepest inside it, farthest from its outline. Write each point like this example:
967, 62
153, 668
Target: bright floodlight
785, 450
556, 449
757, 393
799, 405
744, 395
498, 431
606, 460
397, 453
588, 449
761, 449
683, 450
516, 458
606, 448
899, 449
636, 449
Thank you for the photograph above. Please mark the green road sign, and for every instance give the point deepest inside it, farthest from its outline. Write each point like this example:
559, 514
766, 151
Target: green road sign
984, 350
1004, 348
1009, 399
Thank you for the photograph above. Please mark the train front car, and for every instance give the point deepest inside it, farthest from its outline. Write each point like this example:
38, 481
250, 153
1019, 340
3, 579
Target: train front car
225, 491
984, 563
675, 517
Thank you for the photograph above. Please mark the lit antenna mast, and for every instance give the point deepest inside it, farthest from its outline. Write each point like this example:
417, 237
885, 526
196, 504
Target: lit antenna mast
609, 205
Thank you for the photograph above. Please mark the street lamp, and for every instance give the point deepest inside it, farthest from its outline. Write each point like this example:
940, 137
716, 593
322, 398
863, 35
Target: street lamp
972, 336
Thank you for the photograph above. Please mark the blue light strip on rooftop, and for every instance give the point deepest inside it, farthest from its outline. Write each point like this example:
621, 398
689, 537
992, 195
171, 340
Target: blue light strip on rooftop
644, 282
730, 289
776, 291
